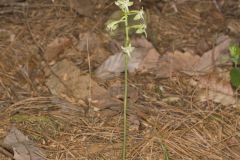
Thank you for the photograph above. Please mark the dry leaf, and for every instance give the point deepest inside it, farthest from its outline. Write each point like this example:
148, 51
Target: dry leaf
56, 47
114, 65
173, 62
78, 86
101, 99
22, 147
74, 81
141, 42
216, 83
149, 62
203, 45
211, 58
216, 89
137, 58
217, 97
170, 63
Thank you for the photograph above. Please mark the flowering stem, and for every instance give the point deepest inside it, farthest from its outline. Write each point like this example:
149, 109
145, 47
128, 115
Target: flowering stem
127, 49
126, 44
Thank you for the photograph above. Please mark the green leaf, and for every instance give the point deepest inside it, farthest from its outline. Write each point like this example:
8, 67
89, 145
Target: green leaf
234, 51
235, 77
235, 54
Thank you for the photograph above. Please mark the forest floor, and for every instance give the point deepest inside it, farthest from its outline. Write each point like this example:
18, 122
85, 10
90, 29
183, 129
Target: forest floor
61, 81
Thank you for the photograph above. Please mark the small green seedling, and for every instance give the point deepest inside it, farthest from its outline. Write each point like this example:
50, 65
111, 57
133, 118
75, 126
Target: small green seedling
139, 28
235, 72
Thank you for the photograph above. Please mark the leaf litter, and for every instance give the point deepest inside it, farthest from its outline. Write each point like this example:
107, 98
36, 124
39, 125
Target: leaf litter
188, 127
114, 65
145, 59
23, 148
217, 89
56, 47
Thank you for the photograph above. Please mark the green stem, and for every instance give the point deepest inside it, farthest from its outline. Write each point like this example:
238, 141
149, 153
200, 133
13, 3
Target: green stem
126, 43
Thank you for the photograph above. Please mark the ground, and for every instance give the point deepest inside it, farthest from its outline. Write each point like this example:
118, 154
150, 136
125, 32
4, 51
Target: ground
61, 81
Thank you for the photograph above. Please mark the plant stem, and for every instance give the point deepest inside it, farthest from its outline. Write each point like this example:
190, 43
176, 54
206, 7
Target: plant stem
126, 43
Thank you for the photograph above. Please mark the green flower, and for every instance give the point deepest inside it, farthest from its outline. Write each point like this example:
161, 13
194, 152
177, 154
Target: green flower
128, 50
139, 15
142, 29
124, 4
112, 26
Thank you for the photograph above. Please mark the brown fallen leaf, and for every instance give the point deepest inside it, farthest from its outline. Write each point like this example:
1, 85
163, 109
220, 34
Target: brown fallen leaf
211, 58
217, 89
101, 99
216, 83
113, 66
71, 76
149, 62
188, 63
141, 42
173, 62
56, 47
203, 45
22, 147
143, 53
71, 83
218, 97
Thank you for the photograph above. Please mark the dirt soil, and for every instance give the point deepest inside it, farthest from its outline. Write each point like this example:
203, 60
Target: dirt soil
51, 89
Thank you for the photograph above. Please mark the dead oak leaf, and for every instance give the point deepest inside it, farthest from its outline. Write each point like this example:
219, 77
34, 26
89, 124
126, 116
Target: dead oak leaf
217, 89
218, 97
216, 83
72, 85
173, 62
149, 62
143, 58
23, 148
211, 58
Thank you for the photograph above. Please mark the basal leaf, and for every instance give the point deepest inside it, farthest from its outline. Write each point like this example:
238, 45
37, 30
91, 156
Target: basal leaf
235, 77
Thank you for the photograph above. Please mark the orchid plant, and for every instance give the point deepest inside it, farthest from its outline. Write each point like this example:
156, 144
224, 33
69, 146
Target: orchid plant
127, 49
235, 72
